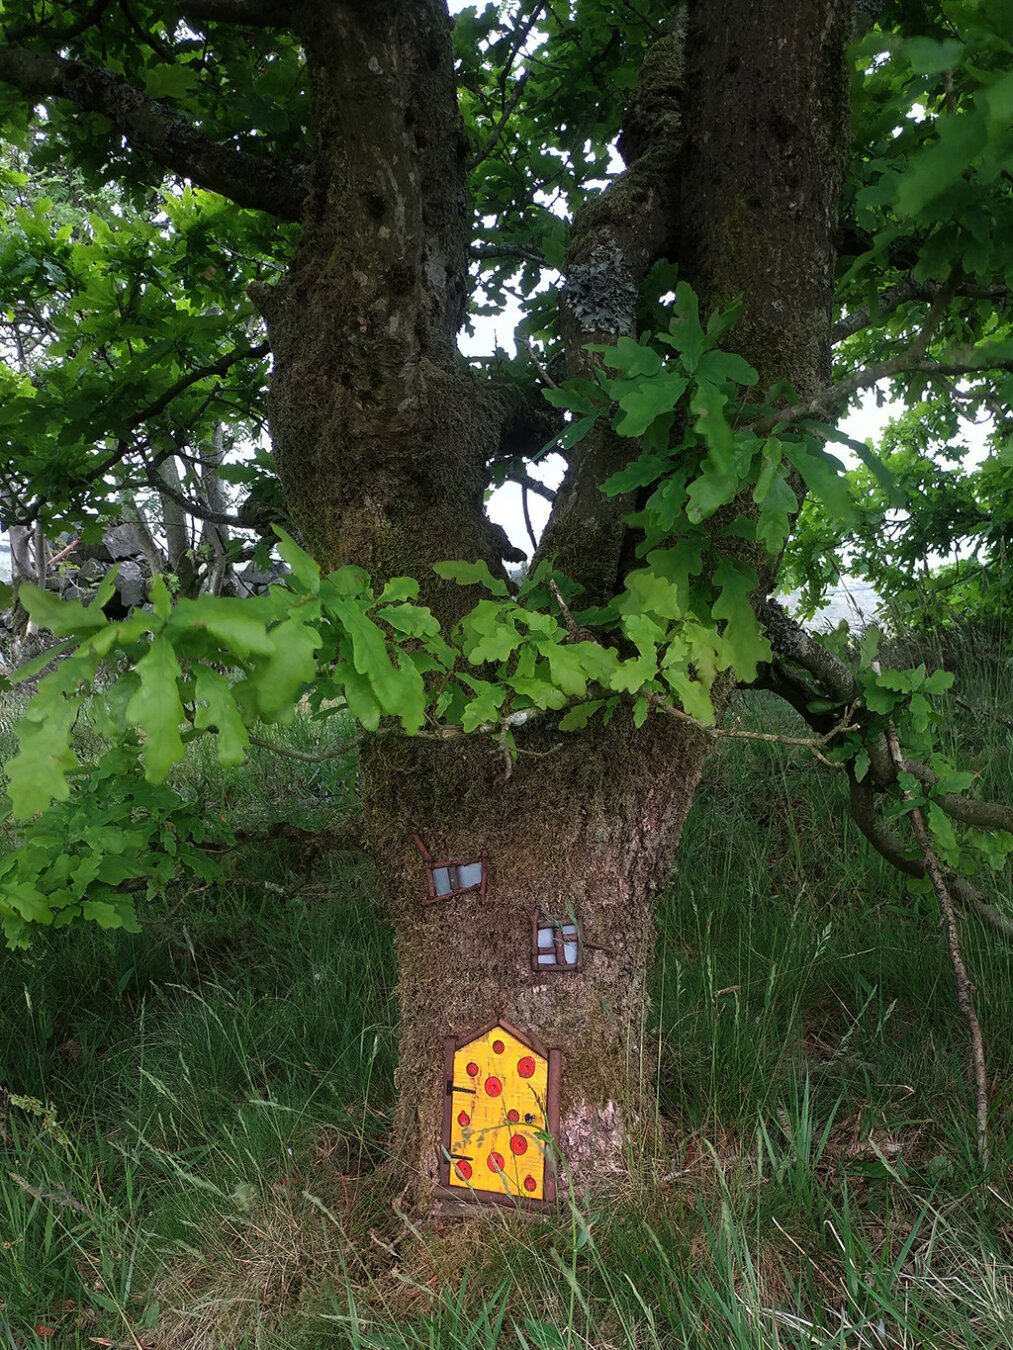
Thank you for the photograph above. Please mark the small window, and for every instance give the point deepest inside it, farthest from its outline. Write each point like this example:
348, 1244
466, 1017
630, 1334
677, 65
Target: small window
555, 944
449, 879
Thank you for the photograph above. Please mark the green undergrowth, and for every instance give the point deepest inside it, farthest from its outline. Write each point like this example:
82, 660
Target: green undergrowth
194, 1119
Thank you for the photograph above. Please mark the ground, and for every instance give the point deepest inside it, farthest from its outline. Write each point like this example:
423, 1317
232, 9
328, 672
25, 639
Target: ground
212, 1171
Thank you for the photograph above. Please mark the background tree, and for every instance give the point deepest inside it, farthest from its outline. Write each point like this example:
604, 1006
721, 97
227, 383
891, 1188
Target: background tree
332, 150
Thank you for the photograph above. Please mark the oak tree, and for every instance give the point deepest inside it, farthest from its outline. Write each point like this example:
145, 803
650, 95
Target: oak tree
304, 202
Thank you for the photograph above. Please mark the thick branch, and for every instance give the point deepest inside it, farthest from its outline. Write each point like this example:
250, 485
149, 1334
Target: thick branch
904, 293
961, 361
616, 238
247, 13
150, 125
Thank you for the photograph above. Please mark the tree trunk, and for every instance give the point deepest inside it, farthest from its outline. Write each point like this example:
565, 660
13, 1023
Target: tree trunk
382, 439
584, 828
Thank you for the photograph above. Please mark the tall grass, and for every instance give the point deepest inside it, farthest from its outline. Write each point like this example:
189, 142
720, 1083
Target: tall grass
194, 1120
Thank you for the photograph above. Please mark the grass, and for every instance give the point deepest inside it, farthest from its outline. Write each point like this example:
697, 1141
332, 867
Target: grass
194, 1119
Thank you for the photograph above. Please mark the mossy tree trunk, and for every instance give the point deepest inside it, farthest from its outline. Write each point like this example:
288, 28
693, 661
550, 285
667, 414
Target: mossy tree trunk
734, 148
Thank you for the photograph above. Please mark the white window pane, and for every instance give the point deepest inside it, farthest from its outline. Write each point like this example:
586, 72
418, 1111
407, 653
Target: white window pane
546, 958
470, 874
441, 880
569, 930
570, 953
545, 938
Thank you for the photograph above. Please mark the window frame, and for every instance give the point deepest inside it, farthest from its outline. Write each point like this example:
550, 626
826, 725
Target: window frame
559, 966
452, 867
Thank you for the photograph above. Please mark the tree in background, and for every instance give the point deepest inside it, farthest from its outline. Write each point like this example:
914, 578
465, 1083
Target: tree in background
357, 174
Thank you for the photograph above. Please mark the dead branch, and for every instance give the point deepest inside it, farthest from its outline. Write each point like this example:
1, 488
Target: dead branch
965, 990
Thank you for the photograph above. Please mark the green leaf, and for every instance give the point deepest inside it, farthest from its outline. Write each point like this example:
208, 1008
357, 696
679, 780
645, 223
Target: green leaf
647, 469
217, 708
359, 695
471, 574
578, 717
719, 478
825, 477
413, 620
720, 366
302, 566
63, 618
37, 775
399, 588
277, 680
567, 669
156, 709
484, 708
684, 332
170, 81
398, 689
572, 434
235, 624
652, 398
778, 504
630, 357
489, 632
161, 600
747, 646
929, 57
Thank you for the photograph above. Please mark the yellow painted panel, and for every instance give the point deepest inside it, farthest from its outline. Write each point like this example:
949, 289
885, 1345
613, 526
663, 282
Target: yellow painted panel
498, 1111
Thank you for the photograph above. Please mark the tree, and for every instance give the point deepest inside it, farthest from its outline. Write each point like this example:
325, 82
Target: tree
347, 138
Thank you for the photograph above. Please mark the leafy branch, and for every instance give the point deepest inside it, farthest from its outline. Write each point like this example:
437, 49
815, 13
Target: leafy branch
150, 125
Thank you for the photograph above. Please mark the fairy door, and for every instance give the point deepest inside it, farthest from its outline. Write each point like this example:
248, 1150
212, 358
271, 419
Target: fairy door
502, 1109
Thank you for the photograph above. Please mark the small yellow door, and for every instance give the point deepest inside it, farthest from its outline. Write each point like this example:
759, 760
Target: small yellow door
498, 1111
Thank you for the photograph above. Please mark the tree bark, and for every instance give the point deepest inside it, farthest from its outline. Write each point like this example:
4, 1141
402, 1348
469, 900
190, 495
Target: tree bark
382, 438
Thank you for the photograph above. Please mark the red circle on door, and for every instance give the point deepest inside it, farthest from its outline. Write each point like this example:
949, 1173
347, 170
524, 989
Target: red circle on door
472, 1070
464, 1118
496, 1162
530, 1183
498, 1046
493, 1086
513, 1117
526, 1067
463, 1169
518, 1144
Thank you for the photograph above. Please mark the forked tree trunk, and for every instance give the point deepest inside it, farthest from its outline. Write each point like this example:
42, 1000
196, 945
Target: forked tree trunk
382, 440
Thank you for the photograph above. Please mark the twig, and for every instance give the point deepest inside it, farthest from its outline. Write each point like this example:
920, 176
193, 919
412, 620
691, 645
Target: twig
538, 364
564, 608
768, 737
305, 756
527, 516
965, 989
63, 553
500, 126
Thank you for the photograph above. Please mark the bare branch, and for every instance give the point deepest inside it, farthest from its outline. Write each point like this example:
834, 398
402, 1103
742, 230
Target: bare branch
198, 509
514, 252
150, 125
949, 919
530, 484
